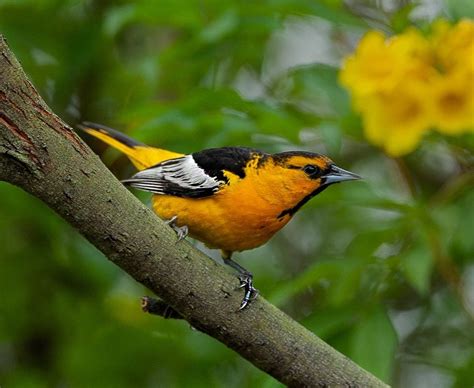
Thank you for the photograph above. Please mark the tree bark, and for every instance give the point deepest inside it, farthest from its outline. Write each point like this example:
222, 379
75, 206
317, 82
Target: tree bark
44, 156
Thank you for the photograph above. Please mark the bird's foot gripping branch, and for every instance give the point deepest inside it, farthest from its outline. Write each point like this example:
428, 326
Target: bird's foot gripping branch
40, 154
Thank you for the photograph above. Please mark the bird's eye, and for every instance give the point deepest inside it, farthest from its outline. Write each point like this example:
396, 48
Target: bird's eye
311, 169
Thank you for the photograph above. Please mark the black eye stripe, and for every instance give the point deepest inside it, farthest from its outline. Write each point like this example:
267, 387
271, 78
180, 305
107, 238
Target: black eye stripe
311, 169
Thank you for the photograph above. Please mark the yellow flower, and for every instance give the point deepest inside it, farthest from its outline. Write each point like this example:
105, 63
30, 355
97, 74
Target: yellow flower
408, 84
398, 120
379, 64
375, 66
454, 46
453, 100
418, 55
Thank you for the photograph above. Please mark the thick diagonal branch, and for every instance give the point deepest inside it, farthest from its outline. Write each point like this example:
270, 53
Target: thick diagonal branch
42, 155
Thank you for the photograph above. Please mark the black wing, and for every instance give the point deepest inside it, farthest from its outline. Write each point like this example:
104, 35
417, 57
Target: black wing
194, 176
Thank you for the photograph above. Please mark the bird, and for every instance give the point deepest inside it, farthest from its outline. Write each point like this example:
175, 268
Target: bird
229, 198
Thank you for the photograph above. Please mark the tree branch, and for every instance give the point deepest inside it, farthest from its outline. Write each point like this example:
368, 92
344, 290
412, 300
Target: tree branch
43, 155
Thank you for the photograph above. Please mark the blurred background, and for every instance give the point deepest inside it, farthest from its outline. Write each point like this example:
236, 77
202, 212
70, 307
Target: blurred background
381, 269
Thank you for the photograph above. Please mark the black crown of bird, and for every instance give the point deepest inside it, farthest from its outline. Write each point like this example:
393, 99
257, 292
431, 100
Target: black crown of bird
230, 198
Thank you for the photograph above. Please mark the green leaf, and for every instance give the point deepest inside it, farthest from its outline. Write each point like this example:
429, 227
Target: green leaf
331, 322
459, 9
373, 343
417, 266
401, 19
118, 17
220, 27
318, 88
343, 276
332, 136
337, 15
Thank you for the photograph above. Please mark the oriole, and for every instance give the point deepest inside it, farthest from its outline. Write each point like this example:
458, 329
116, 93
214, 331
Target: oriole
230, 198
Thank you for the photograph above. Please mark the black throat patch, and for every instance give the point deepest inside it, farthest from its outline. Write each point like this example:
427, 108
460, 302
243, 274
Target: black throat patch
291, 211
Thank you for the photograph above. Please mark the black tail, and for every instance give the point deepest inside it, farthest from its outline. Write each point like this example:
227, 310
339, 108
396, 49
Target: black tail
89, 127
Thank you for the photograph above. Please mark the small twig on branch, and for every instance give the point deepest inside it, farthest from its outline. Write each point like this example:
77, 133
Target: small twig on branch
159, 307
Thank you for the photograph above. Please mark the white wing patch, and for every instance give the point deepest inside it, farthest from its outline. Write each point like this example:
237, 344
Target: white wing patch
181, 177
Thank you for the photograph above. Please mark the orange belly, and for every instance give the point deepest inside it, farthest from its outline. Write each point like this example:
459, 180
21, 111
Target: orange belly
227, 220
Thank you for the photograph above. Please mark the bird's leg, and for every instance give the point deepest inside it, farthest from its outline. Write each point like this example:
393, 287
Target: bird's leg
181, 231
246, 280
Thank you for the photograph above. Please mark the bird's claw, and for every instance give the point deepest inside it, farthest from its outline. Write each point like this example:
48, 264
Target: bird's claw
251, 293
181, 231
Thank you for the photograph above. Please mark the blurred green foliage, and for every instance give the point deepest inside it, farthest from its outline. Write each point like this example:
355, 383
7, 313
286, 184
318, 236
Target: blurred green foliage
382, 269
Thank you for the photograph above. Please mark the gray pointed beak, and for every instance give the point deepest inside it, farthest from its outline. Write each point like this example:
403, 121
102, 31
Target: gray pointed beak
337, 174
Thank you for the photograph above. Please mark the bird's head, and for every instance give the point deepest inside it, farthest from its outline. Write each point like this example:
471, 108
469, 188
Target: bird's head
307, 174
